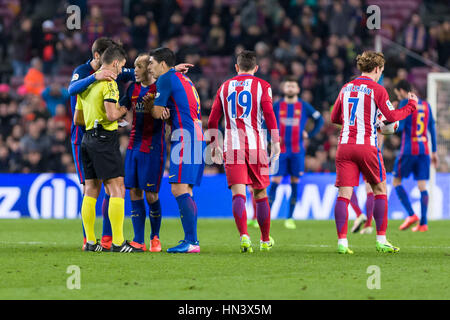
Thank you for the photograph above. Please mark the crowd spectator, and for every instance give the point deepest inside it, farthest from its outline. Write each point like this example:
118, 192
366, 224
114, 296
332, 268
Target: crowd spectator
55, 95
34, 81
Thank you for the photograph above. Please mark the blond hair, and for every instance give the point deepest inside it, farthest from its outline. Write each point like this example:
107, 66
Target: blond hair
369, 60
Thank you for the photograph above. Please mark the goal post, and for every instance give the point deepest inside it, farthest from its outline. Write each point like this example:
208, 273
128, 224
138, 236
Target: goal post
438, 96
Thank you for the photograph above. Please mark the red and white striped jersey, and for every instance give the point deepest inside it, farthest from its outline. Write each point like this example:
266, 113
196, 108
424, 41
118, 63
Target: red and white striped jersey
245, 101
356, 110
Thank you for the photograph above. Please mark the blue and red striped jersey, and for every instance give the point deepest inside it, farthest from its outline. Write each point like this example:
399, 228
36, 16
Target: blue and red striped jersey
415, 129
178, 93
291, 119
147, 133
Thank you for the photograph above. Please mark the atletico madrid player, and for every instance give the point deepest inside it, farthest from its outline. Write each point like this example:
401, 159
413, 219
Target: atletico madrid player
245, 101
356, 109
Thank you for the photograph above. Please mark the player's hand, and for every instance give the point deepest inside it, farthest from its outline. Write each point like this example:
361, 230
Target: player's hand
412, 96
305, 134
166, 114
435, 159
275, 151
183, 67
217, 155
105, 75
148, 103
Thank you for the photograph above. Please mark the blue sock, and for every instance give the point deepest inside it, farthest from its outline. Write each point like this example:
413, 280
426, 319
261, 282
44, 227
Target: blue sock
155, 218
107, 231
293, 200
188, 215
138, 220
424, 207
272, 193
401, 193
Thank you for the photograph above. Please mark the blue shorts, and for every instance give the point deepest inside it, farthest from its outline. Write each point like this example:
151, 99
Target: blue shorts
291, 164
187, 169
144, 170
419, 165
76, 152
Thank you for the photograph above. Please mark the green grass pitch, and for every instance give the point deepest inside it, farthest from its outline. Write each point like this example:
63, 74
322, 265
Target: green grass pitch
35, 255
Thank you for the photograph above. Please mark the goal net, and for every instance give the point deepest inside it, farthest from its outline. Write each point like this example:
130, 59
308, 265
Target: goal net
438, 95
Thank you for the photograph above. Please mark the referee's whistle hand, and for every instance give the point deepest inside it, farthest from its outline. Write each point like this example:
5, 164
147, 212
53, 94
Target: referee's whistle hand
105, 75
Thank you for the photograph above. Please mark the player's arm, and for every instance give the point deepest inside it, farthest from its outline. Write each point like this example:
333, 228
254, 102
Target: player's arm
78, 85
183, 67
318, 120
163, 92
271, 122
78, 117
336, 113
432, 130
110, 98
383, 103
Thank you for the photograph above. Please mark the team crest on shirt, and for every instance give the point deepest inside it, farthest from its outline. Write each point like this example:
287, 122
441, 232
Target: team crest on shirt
75, 77
157, 95
297, 112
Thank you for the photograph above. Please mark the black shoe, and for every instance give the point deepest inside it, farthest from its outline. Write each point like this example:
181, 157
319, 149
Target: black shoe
125, 247
94, 247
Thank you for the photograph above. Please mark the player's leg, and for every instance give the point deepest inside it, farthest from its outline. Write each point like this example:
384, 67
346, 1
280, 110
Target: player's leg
240, 215
155, 220
138, 213
76, 152
367, 229
107, 231
402, 169
92, 190
252, 222
295, 168
360, 217
263, 217
341, 217
422, 174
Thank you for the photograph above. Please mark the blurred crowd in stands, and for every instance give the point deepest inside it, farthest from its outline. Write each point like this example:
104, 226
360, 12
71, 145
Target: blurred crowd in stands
314, 40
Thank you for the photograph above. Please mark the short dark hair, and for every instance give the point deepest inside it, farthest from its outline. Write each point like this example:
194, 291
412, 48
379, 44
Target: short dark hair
246, 60
403, 84
291, 79
163, 54
101, 44
112, 53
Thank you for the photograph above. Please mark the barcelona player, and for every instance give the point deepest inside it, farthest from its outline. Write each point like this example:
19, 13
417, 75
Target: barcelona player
245, 101
356, 110
292, 113
177, 100
145, 158
414, 156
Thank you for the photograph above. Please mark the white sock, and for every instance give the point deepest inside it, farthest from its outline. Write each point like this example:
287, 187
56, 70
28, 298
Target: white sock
343, 242
381, 239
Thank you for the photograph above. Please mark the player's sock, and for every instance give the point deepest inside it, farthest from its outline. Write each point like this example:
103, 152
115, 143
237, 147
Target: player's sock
272, 192
116, 216
401, 193
354, 204
155, 218
423, 207
107, 231
188, 215
254, 207
138, 219
380, 213
263, 217
239, 213
341, 217
369, 209
88, 216
293, 200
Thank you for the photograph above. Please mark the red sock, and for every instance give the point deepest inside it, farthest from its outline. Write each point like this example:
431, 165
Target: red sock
380, 213
341, 217
369, 209
355, 205
239, 213
263, 216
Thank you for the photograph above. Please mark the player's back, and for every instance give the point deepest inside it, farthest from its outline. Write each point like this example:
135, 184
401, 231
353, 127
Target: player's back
360, 100
415, 129
241, 98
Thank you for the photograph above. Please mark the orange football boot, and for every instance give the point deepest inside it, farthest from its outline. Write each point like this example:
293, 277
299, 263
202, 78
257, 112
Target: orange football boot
409, 222
138, 245
420, 228
106, 242
155, 244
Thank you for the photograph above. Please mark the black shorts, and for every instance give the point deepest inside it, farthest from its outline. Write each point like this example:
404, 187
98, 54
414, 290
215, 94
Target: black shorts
101, 155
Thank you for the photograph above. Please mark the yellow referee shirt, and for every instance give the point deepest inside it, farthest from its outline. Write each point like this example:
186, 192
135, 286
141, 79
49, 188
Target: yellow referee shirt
91, 103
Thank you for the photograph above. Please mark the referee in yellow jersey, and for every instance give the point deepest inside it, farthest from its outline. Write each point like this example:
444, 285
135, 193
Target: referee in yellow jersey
98, 109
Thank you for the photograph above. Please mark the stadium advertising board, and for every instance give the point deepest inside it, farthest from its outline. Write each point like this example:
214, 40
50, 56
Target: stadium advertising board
59, 196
